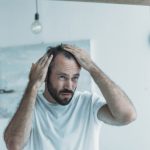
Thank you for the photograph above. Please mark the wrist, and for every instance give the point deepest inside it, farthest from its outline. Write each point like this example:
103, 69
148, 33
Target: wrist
93, 68
33, 86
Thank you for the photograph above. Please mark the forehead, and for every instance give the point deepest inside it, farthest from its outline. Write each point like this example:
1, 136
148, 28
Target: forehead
65, 65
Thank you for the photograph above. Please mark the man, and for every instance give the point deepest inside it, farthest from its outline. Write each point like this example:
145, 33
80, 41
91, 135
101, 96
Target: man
60, 118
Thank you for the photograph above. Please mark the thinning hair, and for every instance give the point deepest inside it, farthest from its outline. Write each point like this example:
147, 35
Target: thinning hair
56, 51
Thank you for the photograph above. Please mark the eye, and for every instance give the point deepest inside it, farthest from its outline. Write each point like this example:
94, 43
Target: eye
62, 77
75, 79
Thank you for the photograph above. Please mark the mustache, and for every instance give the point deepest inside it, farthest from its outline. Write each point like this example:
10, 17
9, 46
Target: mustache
66, 91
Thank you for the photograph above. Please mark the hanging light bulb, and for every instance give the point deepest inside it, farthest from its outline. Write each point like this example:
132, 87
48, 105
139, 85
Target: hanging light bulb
36, 26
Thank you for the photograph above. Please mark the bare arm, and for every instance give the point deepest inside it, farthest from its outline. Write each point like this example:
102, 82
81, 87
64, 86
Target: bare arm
18, 130
118, 110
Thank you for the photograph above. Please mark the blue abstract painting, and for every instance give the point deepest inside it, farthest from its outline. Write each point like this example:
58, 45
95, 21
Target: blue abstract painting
15, 64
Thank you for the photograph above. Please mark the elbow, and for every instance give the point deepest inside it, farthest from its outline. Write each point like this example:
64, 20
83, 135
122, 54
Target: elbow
129, 117
12, 143
13, 146
133, 116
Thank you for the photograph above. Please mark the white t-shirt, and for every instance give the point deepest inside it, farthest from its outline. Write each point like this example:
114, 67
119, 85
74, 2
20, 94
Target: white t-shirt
71, 127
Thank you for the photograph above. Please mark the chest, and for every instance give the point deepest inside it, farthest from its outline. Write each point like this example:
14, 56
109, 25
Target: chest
62, 122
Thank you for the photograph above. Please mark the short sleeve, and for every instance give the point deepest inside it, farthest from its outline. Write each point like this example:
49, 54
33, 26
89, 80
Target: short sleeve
98, 102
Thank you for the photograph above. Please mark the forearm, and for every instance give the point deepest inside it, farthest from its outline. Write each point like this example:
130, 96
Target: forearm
119, 107
118, 102
18, 130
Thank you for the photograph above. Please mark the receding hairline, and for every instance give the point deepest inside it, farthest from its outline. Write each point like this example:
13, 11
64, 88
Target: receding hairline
62, 56
55, 51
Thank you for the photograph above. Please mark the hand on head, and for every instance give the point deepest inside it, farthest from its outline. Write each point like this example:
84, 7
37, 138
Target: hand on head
39, 70
82, 57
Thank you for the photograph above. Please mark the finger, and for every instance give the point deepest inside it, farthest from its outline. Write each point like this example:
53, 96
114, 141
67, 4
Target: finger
32, 66
42, 59
49, 60
71, 49
31, 70
43, 62
68, 48
47, 65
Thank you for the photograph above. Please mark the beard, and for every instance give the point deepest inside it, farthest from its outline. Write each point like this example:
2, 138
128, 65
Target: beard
56, 95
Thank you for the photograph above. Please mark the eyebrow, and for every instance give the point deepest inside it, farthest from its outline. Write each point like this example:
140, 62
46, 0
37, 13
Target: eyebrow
62, 73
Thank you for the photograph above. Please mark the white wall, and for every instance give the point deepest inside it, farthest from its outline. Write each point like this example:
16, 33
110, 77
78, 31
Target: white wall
119, 35
15, 20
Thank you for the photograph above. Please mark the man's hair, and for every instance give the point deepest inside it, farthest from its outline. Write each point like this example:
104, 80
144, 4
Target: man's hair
56, 51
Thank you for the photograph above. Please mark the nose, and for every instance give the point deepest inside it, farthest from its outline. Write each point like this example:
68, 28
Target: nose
69, 85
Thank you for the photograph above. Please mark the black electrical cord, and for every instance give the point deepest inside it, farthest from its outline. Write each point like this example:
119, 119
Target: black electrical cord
36, 14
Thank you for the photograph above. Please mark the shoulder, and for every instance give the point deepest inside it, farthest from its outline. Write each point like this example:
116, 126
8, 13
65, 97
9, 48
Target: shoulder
82, 95
88, 96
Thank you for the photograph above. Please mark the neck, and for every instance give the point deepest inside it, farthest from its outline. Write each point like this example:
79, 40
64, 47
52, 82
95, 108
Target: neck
48, 96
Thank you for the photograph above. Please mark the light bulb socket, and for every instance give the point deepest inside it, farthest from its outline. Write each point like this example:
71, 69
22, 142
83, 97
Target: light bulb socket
36, 17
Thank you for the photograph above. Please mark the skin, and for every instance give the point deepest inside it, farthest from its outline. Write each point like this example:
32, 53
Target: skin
118, 109
65, 77
18, 130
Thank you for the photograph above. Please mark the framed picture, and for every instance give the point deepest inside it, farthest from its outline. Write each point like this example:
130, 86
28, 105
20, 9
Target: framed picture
15, 64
